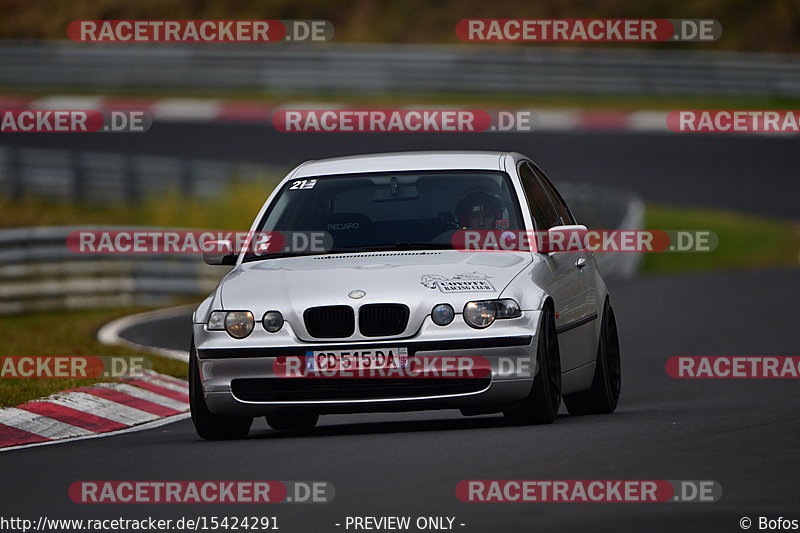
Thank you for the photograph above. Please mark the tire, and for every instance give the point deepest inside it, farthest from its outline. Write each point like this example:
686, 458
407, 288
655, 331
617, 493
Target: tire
603, 396
287, 419
542, 404
208, 425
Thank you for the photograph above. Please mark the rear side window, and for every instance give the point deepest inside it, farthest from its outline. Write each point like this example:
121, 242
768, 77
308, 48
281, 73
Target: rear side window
542, 210
558, 202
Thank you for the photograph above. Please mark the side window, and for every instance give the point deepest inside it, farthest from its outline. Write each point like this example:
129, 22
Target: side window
555, 197
542, 210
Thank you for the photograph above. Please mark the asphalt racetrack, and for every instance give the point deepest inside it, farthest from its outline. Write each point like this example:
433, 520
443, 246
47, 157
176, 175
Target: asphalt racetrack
745, 173
745, 434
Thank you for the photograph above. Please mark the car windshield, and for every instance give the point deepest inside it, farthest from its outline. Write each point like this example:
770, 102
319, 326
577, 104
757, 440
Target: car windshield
401, 210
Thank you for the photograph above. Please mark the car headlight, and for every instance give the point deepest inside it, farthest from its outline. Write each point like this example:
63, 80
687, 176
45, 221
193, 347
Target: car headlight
442, 314
507, 308
480, 314
216, 322
272, 321
483, 313
238, 324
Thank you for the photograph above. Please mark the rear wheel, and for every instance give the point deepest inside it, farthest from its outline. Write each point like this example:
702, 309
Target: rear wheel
542, 404
289, 419
208, 425
603, 395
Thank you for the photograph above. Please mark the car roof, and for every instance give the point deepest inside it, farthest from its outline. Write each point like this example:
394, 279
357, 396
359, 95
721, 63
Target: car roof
400, 161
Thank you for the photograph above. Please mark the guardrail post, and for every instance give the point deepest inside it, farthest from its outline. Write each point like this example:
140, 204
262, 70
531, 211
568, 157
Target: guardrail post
131, 186
186, 178
77, 177
15, 180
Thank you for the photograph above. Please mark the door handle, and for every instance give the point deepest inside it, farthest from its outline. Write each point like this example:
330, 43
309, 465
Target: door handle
581, 262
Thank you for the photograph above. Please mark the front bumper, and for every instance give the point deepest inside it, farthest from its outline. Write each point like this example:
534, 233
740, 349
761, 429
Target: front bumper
240, 378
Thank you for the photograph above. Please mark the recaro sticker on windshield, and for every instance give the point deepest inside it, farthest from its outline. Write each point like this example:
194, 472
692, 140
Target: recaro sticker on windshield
343, 226
300, 185
469, 282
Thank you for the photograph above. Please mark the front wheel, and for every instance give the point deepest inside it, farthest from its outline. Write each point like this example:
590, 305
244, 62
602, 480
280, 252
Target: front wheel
208, 425
542, 404
602, 397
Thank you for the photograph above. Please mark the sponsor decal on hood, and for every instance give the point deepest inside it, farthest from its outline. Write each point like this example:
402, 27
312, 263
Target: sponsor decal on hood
468, 282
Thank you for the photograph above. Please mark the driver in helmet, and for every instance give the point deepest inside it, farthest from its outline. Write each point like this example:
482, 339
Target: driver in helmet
479, 210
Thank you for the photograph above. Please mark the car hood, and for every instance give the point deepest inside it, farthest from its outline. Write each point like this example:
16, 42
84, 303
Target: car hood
418, 279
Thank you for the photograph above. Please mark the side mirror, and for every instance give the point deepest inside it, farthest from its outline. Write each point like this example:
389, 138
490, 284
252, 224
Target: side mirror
563, 239
221, 254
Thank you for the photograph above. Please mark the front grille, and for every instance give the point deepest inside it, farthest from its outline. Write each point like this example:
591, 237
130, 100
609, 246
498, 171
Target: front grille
321, 389
330, 322
381, 320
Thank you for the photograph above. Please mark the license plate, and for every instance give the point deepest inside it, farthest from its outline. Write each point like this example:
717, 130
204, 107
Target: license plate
374, 358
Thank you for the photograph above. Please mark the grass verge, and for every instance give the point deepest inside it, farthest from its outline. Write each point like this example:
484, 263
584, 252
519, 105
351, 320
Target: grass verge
233, 210
745, 241
64, 333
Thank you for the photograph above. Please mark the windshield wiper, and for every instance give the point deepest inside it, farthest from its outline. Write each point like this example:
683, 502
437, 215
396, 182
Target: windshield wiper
278, 255
402, 245
411, 245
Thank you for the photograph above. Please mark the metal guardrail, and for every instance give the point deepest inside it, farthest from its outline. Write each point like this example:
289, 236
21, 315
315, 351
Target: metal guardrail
102, 177
39, 272
361, 68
